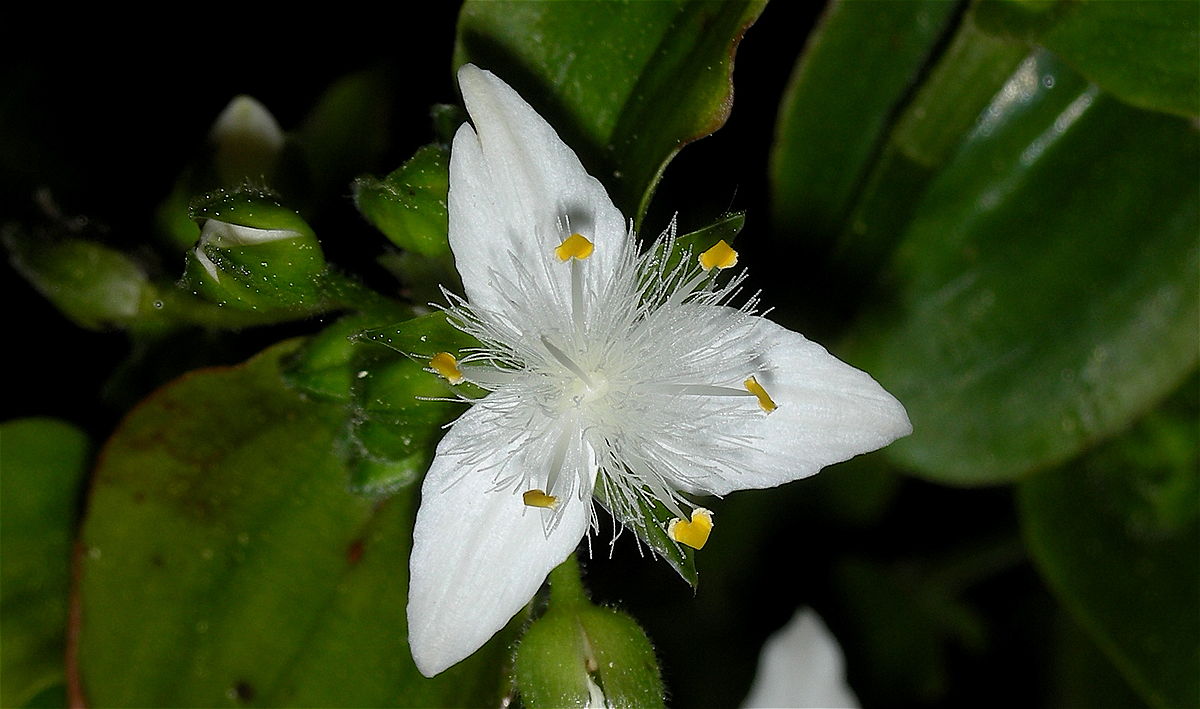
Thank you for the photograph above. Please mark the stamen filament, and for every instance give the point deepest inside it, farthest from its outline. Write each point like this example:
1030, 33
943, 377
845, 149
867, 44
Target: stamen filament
567, 362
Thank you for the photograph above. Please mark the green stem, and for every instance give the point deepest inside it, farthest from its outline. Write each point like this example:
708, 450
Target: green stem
566, 584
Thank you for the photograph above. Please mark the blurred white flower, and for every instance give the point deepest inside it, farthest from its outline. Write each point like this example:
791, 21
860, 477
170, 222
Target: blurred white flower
801, 665
608, 371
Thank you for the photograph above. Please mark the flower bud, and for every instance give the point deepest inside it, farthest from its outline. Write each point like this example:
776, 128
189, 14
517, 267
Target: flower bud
580, 655
409, 205
253, 254
95, 286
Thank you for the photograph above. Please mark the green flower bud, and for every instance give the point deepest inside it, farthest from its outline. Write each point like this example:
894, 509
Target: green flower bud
579, 655
247, 141
409, 205
253, 254
95, 286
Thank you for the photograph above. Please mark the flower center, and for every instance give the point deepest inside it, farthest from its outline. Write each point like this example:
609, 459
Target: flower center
581, 392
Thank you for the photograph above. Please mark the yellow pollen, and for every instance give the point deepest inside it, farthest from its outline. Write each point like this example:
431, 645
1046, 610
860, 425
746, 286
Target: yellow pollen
720, 256
574, 246
444, 364
764, 399
538, 498
694, 533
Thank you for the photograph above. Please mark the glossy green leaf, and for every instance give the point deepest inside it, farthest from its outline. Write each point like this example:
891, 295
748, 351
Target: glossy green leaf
226, 563
855, 73
1116, 534
1141, 52
1047, 287
934, 123
43, 463
625, 85
409, 205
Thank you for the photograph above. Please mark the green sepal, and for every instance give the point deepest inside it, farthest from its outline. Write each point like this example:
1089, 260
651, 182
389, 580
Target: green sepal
697, 242
649, 525
247, 206
409, 205
396, 424
627, 667
422, 337
326, 364
578, 654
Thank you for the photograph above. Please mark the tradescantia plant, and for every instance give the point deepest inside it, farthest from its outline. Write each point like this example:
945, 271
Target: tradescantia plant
368, 409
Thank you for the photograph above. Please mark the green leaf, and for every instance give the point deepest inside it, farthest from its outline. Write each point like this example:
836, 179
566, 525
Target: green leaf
409, 205
44, 462
1115, 535
1047, 286
625, 85
855, 73
924, 137
226, 562
1143, 53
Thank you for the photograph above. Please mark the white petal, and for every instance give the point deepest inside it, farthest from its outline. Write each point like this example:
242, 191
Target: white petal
514, 185
801, 665
478, 555
827, 412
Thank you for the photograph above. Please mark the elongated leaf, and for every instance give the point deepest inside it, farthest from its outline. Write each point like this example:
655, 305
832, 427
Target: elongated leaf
43, 463
1116, 535
626, 85
1048, 284
227, 563
1142, 52
855, 72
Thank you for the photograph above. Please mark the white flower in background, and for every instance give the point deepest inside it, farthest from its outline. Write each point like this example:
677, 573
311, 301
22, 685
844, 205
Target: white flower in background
607, 372
801, 665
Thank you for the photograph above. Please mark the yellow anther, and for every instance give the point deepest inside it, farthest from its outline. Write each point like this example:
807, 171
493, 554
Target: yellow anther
694, 533
444, 364
574, 246
538, 498
764, 399
720, 256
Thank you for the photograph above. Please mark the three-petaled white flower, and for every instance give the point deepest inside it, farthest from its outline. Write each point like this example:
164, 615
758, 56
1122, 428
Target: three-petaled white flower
609, 371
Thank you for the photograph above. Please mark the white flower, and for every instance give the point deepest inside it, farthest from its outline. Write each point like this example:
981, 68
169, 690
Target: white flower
801, 665
607, 372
